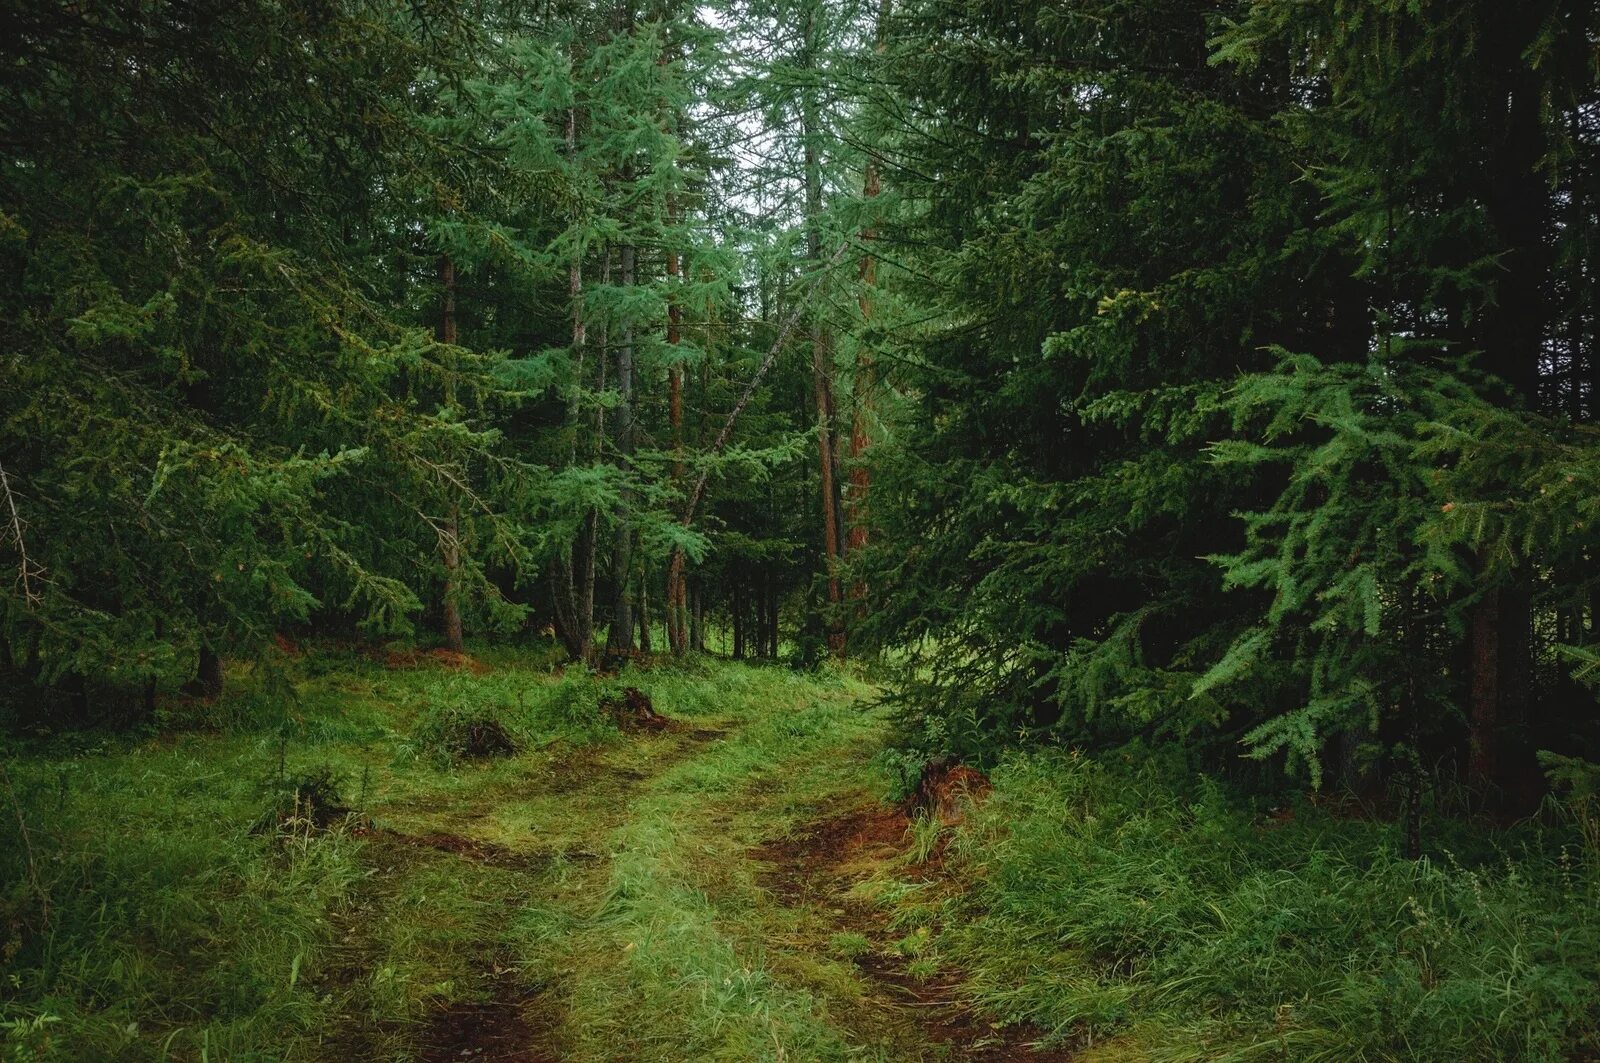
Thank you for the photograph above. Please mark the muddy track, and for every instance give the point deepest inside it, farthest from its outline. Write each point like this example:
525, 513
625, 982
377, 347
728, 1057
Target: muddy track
511, 1022
818, 868
513, 1026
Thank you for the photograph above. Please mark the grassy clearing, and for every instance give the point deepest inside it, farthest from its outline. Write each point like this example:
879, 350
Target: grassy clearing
150, 916
702, 892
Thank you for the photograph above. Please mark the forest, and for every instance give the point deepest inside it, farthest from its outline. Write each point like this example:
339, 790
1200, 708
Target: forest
800, 530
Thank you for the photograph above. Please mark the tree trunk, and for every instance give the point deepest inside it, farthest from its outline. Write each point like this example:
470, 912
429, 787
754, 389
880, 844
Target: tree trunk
772, 616
736, 610
620, 639
588, 561
208, 674
822, 350
865, 380
761, 620
1512, 339
572, 576
646, 645
677, 639
450, 608
1484, 691
697, 618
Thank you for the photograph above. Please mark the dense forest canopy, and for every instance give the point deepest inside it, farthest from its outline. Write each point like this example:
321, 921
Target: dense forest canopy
1214, 373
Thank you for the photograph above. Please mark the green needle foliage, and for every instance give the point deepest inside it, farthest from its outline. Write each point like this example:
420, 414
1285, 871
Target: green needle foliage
1252, 400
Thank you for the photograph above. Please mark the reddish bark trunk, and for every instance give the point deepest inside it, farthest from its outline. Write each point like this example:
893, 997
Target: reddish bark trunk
822, 358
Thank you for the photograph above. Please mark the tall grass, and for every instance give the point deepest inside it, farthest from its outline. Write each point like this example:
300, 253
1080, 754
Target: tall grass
1106, 900
142, 919
155, 905
149, 910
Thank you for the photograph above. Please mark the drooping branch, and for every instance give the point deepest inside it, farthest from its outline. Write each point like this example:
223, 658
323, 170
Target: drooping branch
28, 572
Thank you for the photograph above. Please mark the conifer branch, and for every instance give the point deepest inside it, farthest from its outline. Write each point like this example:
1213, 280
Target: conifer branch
27, 570
697, 494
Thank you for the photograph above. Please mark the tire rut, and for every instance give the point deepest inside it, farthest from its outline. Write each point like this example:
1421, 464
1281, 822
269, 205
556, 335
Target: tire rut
816, 870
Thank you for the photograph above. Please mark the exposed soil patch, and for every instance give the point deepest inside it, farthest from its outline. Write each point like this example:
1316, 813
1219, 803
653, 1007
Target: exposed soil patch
461, 662
469, 848
836, 853
633, 711
818, 860
497, 1031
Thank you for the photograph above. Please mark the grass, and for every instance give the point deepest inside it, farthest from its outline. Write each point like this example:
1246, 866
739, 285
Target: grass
175, 900
171, 913
1102, 901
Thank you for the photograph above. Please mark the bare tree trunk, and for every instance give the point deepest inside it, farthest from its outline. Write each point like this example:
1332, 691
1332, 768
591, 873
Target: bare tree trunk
865, 371
208, 681
620, 638
822, 350
450, 611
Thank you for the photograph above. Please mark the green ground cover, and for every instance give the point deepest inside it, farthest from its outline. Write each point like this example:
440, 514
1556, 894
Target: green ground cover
321, 871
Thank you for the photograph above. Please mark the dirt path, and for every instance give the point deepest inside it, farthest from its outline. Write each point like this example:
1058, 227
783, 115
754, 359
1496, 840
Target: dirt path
821, 868
677, 895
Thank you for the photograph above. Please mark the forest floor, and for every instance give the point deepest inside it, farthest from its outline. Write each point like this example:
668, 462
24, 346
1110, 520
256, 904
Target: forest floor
728, 883
715, 887
397, 856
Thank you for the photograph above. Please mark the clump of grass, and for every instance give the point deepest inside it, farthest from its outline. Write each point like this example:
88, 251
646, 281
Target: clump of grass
849, 944
1112, 899
925, 833
454, 732
915, 943
305, 801
466, 717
